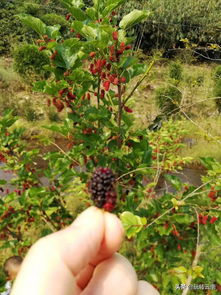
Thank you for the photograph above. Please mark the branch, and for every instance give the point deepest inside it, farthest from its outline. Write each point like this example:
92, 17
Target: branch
138, 83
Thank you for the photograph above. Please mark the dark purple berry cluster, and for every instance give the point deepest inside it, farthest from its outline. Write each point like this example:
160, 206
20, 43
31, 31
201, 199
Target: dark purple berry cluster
102, 188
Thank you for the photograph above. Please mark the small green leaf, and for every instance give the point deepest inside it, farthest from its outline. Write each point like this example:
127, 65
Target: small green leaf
132, 223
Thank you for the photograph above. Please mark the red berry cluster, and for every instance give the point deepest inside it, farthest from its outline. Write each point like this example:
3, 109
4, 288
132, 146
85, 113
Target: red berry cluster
65, 96
104, 69
204, 218
102, 189
43, 42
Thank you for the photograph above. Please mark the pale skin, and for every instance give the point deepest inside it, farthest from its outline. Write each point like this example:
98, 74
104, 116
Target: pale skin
81, 259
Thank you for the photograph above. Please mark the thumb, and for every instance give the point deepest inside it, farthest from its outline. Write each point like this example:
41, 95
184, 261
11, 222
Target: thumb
53, 262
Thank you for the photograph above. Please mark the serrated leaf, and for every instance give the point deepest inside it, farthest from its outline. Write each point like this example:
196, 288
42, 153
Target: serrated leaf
132, 223
174, 180
133, 18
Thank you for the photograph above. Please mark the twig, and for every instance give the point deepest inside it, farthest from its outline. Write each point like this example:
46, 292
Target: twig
48, 224
63, 152
138, 83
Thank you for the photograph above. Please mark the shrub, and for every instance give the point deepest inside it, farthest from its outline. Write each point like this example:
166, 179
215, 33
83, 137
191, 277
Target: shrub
168, 99
52, 19
175, 71
29, 62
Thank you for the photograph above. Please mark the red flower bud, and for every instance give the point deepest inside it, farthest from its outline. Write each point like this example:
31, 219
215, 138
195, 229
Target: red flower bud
204, 219
78, 36
42, 48
71, 96
61, 92
179, 247
113, 59
67, 73
52, 57
128, 110
102, 93
103, 62
119, 52
112, 50
92, 54
213, 219
122, 79
116, 81
59, 105
128, 47
106, 85
115, 35
103, 75
68, 16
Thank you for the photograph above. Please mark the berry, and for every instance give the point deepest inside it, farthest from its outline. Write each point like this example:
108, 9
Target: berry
92, 54
128, 110
213, 219
68, 16
106, 85
115, 35
42, 48
102, 189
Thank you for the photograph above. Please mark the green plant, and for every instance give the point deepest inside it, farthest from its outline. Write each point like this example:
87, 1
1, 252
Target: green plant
168, 99
53, 116
30, 114
29, 62
52, 19
90, 73
175, 71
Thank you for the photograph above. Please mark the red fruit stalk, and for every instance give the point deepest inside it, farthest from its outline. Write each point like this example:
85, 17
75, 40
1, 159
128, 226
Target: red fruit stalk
102, 189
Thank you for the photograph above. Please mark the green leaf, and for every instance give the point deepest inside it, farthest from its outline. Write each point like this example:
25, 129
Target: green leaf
132, 223
2, 181
133, 18
111, 5
39, 86
174, 180
78, 13
53, 31
51, 210
34, 23
182, 219
91, 12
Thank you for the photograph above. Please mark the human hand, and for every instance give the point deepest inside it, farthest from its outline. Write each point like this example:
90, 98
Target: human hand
81, 259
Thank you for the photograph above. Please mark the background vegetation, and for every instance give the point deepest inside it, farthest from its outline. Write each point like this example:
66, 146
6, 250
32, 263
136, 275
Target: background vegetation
169, 125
